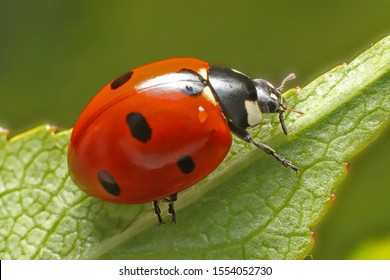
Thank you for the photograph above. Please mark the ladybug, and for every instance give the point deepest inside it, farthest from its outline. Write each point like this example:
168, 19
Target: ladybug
160, 128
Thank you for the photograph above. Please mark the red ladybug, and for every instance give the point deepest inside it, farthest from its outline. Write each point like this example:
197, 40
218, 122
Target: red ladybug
162, 127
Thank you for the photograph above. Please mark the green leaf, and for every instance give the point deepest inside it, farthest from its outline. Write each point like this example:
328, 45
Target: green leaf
249, 208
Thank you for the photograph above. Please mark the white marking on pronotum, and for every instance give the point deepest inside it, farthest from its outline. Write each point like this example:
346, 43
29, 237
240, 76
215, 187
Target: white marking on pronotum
254, 113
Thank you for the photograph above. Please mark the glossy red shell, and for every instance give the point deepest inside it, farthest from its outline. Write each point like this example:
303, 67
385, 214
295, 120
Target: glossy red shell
180, 125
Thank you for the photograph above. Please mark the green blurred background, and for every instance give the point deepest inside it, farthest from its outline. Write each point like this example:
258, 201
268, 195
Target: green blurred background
55, 55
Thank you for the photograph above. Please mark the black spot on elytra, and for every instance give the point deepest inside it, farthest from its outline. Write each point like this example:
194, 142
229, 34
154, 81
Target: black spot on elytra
186, 164
139, 127
194, 83
108, 182
121, 80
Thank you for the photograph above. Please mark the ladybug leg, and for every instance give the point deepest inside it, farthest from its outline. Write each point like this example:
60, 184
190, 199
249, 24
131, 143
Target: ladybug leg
171, 210
157, 211
272, 152
243, 134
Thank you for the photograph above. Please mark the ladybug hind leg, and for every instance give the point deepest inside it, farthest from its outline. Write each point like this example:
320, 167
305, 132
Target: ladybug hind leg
171, 210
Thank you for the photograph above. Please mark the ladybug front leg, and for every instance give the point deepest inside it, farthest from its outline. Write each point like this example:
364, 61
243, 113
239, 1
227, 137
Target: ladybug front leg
243, 134
272, 152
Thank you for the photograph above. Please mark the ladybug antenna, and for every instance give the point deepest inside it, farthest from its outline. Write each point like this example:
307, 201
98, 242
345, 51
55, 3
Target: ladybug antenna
279, 90
289, 77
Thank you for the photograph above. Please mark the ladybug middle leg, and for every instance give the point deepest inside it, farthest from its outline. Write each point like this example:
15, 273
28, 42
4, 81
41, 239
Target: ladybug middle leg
171, 210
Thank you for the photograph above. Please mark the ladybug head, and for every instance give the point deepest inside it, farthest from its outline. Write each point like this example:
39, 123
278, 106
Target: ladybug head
270, 98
